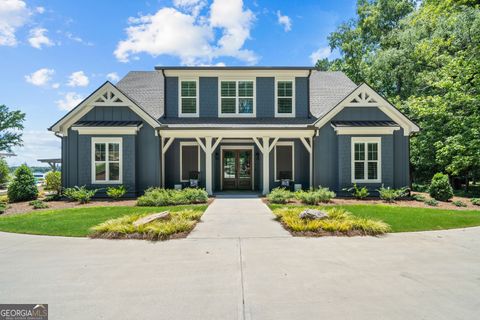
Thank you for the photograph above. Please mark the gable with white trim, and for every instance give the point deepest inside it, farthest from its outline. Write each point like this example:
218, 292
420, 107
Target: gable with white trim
364, 96
106, 95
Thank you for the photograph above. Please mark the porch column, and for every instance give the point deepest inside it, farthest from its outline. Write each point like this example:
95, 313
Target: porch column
309, 146
209, 149
165, 145
265, 147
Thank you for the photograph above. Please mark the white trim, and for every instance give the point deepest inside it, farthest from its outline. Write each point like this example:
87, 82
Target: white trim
366, 140
285, 115
284, 143
88, 104
365, 130
197, 98
237, 97
106, 141
242, 147
188, 144
237, 73
165, 146
373, 100
107, 130
239, 134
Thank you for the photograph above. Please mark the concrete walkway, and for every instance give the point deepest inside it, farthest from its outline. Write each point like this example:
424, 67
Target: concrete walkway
238, 216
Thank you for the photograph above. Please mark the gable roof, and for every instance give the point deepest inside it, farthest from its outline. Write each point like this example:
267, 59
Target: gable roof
327, 89
145, 88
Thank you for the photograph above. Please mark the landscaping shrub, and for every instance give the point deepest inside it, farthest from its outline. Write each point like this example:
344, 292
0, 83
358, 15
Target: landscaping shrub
315, 196
475, 201
357, 192
23, 187
431, 202
440, 188
339, 220
179, 222
156, 197
116, 192
390, 195
4, 173
459, 203
419, 187
3, 207
80, 194
419, 197
53, 181
279, 195
38, 204
52, 197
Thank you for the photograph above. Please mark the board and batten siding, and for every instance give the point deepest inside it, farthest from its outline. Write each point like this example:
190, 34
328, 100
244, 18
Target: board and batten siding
332, 153
141, 153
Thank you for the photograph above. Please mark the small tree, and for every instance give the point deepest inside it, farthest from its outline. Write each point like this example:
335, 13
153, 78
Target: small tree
440, 188
4, 172
23, 186
53, 181
11, 125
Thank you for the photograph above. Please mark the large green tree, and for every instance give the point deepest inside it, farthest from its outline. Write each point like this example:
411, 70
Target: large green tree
11, 126
426, 60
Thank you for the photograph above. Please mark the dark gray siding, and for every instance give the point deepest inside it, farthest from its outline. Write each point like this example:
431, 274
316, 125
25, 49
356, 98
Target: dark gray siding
265, 91
208, 96
172, 165
301, 166
171, 97
332, 153
141, 153
301, 97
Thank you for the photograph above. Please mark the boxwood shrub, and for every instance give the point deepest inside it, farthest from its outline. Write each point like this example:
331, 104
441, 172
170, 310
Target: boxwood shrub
440, 188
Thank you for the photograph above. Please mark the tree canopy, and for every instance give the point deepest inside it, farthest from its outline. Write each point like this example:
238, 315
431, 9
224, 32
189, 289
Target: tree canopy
425, 58
11, 126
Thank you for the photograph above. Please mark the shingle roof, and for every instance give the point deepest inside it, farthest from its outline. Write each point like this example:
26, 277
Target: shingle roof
364, 124
145, 88
327, 89
107, 123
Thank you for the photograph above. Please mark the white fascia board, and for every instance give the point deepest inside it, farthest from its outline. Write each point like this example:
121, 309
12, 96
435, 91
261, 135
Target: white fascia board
232, 74
236, 133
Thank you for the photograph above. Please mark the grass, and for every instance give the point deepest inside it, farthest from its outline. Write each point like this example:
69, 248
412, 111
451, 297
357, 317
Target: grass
403, 219
76, 222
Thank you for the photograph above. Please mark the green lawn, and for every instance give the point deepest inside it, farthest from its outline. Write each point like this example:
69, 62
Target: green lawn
74, 222
402, 219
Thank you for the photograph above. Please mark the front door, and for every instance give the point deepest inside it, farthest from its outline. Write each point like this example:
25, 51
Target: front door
237, 169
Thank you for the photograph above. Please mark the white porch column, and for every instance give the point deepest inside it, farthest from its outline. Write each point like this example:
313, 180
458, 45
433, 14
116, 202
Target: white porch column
209, 149
165, 146
265, 147
309, 146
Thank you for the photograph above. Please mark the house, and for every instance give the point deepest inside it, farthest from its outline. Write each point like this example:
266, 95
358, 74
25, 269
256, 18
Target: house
235, 128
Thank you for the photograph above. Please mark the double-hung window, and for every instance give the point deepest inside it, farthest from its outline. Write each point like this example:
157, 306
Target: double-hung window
237, 98
188, 98
285, 98
106, 160
366, 160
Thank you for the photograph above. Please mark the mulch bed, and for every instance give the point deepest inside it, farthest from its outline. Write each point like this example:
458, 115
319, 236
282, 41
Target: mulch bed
399, 203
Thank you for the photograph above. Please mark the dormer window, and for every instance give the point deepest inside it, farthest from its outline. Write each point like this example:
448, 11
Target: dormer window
285, 98
188, 96
237, 98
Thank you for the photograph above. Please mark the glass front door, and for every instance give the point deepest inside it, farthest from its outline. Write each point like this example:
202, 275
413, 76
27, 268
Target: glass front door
237, 170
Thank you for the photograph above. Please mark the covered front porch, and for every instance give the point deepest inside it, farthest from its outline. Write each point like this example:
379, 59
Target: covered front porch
237, 159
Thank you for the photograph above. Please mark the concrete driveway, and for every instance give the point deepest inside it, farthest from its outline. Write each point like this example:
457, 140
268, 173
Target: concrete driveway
425, 275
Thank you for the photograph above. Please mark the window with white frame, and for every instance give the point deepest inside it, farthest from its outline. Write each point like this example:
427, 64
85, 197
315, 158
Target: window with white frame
285, 98
284, 161
188, 98
237, 97
106, 160
189, 160
366, 160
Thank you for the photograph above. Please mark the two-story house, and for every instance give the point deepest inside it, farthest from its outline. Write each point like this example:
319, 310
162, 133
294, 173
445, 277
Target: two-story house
238, 128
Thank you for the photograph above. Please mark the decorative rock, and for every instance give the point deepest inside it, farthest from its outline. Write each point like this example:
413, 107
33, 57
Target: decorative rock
165, 215
313, 214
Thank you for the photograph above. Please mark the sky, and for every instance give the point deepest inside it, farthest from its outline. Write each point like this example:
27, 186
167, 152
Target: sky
55, 53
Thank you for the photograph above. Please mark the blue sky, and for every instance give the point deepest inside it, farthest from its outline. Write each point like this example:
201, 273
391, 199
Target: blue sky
54, 53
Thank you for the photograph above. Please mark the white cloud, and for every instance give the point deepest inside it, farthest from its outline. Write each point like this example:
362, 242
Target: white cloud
113, 76
38, 38
37, 144
78, 79
13, 15
75, 38
56, 85
69, 101
40, 10
285, 21
40, 77
182, 32
321, 53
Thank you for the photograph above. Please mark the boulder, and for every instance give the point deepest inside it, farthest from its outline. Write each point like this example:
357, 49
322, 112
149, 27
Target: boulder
313, 214
165, 215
